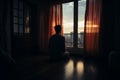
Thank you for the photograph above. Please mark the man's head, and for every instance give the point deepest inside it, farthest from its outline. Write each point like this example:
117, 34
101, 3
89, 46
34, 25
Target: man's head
58, 29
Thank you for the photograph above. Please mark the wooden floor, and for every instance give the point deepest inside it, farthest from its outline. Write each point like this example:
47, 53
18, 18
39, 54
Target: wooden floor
75, 68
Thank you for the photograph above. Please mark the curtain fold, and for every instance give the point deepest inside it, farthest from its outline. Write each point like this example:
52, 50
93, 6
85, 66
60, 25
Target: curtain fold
92, 27
49, 18
55, 18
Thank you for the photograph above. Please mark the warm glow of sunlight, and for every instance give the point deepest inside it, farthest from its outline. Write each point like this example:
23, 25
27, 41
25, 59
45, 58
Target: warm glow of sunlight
90, 24
52, 29
81, 24
68, 26
91, 27
80, 67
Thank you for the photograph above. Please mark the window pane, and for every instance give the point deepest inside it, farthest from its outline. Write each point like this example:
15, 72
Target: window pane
21, 5
16, 28
15, 12
15, 3
68, 23
81, 19
20, 13
15, 19
20, 28
20, 20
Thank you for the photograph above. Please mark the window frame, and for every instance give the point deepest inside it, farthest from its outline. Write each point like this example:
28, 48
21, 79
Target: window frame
22, 11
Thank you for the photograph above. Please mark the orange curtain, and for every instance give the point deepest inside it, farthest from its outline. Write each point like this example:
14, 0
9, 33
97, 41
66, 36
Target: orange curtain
92, 26
55, 18
48, 19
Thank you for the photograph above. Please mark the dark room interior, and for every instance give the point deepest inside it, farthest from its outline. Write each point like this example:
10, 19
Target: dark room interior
27, 25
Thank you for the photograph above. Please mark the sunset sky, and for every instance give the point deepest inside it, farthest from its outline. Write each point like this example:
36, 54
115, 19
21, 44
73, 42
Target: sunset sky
68, 16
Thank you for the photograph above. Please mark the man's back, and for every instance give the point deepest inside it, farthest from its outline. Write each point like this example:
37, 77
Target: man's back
57, 45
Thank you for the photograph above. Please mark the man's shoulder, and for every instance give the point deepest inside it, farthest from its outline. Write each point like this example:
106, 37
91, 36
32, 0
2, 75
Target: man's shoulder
53, 36
57, 36
62, 36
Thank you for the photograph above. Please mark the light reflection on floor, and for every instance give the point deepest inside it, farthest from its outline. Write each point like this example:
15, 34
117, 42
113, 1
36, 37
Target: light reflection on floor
69, 68
74, 69
80, 68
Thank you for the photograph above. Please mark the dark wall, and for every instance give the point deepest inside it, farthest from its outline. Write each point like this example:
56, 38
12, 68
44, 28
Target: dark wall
117, 25
35, 28
110, 27
5, 25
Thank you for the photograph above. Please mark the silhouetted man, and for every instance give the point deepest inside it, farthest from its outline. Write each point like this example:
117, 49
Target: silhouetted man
57, 44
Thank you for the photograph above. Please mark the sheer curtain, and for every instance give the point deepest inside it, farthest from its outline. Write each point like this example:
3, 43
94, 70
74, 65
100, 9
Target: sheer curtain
92, 27
55, 18
49, 18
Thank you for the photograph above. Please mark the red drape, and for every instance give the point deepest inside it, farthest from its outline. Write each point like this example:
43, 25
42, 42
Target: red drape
55, 18
48, 19
92, 26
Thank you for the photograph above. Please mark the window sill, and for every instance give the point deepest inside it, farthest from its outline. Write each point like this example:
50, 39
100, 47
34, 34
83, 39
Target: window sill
73, 50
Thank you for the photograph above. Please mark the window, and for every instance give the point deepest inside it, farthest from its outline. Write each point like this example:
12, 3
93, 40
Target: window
68, 23
81, 19
73, 22
21, 15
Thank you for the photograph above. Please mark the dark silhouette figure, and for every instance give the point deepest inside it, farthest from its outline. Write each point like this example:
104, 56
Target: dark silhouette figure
57, 44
